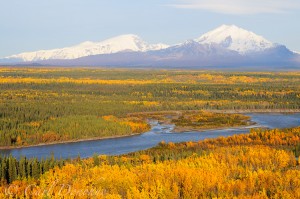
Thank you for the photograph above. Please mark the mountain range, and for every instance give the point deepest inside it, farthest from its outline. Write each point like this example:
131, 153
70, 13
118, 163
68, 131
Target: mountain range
226, 46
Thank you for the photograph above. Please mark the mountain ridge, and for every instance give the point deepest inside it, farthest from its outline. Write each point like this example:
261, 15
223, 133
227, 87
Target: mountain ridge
235, 38
227, 45
128, 42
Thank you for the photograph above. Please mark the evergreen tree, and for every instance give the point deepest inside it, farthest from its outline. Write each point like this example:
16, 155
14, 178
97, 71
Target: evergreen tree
22, 168
35, 169
4, 169
12, 169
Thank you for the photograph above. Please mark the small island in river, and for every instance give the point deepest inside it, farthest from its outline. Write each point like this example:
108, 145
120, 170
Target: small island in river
197, 120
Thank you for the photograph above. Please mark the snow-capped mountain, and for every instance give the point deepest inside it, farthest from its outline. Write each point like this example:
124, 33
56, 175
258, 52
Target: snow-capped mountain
194, 49
237, 39
226, 46
121, 43
296, 52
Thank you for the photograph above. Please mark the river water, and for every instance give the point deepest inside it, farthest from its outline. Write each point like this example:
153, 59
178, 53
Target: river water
158, 133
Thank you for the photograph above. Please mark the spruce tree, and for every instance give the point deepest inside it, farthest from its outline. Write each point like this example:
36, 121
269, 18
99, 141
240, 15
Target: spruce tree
4, 169
35, 169
22, 168
12, 169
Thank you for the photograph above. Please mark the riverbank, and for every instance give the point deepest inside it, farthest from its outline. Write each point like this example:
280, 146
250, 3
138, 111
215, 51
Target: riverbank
70, 141
258, 111
233, 111
176, 129
191, 129
147, 140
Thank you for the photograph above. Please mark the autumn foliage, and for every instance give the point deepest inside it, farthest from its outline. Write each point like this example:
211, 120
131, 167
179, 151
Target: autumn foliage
43, 105
242, 166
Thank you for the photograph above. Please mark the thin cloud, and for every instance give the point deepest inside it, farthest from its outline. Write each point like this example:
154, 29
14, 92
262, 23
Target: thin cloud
239, 7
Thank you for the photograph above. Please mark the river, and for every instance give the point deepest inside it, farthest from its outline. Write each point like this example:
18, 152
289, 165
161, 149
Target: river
158, 133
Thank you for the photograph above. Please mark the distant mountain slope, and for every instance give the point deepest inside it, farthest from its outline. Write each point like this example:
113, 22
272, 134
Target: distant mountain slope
190, 55
117, 44
226, 46
237, 39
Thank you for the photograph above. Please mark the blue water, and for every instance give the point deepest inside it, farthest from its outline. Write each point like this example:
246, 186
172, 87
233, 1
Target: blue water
149, 139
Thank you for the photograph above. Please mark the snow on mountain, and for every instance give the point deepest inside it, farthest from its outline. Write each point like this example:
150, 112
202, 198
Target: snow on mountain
121, 43
237, 39
296, 52
227, 45
193, 49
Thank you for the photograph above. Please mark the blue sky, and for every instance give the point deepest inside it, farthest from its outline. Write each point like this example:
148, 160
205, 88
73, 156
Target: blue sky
31, 25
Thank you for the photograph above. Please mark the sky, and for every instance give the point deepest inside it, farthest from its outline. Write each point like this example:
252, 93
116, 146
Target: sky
30, 25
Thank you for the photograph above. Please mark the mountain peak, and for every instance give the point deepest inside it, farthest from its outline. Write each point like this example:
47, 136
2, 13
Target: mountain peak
223, 41
120, 38
121, 43
126, 37
225, 26
236, 38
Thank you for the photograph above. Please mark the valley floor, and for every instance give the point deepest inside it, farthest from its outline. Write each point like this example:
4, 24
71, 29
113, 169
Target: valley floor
55, 105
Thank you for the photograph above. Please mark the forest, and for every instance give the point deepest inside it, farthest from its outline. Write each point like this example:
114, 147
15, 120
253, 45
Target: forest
48, 105
261, 164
